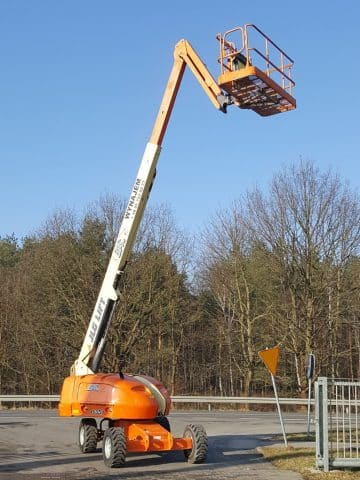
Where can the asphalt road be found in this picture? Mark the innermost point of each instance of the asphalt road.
(39, 445)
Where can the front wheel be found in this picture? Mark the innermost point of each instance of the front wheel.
(88, 435)
(198, 452)
(114, 447)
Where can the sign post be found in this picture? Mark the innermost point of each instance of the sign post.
(270, 356)
(309, 373)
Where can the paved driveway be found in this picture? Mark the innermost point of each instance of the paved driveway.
(39, 445)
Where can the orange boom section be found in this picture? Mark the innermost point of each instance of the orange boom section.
(109, 395)
(255, 72)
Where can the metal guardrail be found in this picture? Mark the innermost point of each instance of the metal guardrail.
(175, 399)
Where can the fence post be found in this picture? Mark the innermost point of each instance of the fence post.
(325, 413)
(321, 423)
(318, 424)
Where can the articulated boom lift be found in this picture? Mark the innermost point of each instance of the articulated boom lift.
(135, 407)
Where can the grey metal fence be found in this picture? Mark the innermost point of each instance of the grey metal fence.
(337, 417)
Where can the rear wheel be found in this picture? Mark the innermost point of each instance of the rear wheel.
(88, 435)
(198, 452)
(114, 447)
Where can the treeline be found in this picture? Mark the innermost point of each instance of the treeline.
(276, 268)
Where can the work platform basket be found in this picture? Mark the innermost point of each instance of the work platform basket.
(255, 71)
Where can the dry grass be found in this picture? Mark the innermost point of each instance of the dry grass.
(295, 437)
(302, 460)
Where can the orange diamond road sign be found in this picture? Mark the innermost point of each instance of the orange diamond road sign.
(270, 357)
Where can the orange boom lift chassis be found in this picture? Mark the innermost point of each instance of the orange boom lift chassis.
(128, 413)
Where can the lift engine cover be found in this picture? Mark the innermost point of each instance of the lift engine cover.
(113, 396)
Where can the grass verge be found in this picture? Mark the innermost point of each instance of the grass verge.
(302, 460)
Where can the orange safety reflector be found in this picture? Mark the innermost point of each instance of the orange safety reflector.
(270, 357)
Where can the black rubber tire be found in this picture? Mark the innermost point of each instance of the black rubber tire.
(164, 422)
(198, 452)
(114, 447)
(88, 435)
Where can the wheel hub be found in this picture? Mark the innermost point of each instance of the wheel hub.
(82, 436)
(107, 447)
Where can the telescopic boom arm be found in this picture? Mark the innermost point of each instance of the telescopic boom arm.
(94, 343)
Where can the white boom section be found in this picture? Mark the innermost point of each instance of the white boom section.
(94, 342)
(125, 239)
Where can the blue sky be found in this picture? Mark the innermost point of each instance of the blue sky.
(81, 83)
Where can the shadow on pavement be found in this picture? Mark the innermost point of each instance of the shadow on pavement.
(224, 451)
